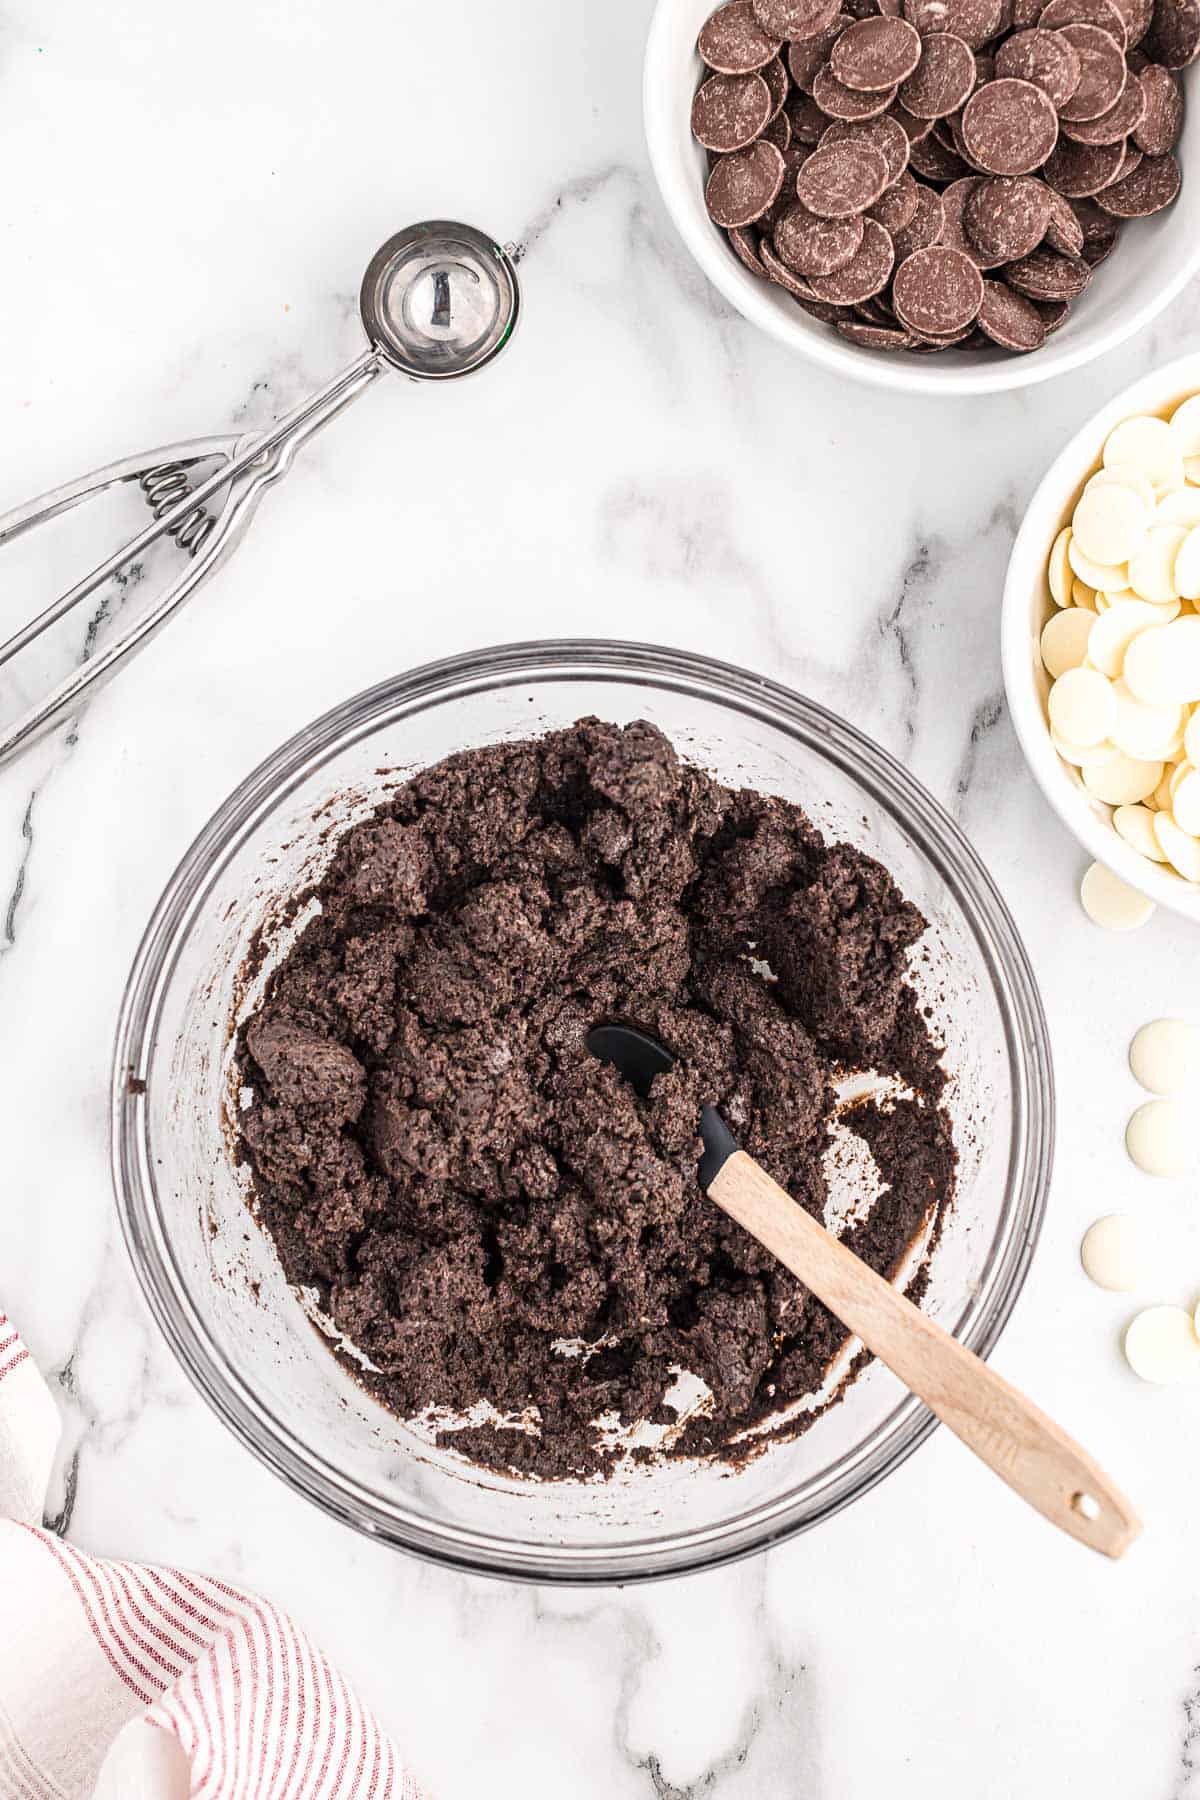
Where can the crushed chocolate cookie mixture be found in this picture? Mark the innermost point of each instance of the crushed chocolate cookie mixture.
(434, 1150)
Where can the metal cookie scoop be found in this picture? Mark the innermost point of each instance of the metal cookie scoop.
(438, 300)
(1004, 1429)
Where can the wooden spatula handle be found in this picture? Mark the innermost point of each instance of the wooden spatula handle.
(1025, 1448)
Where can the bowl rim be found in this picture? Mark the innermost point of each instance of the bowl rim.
(1026, 565)
(883, 780)
(931, 376)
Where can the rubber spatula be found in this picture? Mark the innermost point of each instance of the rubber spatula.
(1005, 1430)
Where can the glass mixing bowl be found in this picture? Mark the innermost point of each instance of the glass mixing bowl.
(213, 1281)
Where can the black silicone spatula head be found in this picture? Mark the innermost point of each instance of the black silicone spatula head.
(639, 1058)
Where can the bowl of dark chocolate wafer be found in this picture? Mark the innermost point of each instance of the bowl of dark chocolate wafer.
(942, 196)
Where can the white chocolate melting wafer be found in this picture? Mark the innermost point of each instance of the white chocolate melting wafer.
(1136, 825)
(1113, 1253)
(1059, 571)
(1162, 1138)
(1181, 850)
(1161, 1345)
(1153, 449)
(1165, 1056)
(1065, 640)
(1112, 903)
(1122, 780)
(1083, 707)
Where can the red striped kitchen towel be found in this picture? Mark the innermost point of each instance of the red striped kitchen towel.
(126, 1682)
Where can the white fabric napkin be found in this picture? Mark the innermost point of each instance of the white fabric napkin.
(127, 1682)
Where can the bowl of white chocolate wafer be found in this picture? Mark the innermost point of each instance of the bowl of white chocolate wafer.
(1101, 635)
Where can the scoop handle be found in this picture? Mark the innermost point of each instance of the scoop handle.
(1005, 1430)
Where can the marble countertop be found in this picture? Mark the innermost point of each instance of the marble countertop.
(191, 198)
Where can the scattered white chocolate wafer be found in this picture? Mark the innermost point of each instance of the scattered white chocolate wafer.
(1112, 903)
(1162, 1138)
(1113, 1253)
(1165, 1056)
(1161, 1345)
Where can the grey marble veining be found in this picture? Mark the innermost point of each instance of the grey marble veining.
(640, 464)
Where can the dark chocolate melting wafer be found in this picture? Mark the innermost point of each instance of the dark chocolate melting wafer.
(1151, 186)
(937, 291)
(1103, 73)
(975, 21)
(1137, 15)
(841, 102)
(730, 111)
(883, 133)
(791, 18)
(743, 185)
(875, 54)
(813, 246)
(913, 128)
(943, 79)
(778, 84)
(897, 206)
(1117, 123)
(924, 228)
(1100, 250)
(1063, 230)
(1174, 37)
(1129, 162)
(840, 179)
(732, 42)
(809, 123)
(1053, 313)
(744, 244)
(954, 232)
(1046, 58)
(1009, 127)
(865, 274)
(780, 274)
(875, 337)
(1078, 170)
(934, 162)
(1009, 319)
(1103, 13)
(1158, 129)
(1005, 216)
(807, 55)
(1092, 220)
(1045, 275)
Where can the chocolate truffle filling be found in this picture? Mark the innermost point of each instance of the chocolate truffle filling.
(492, 1215)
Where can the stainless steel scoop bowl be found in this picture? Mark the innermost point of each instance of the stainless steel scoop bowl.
(439, 299)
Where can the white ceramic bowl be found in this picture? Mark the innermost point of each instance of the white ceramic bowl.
(1150, 266)
(1027, 606)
